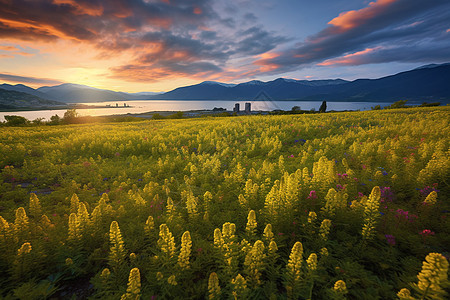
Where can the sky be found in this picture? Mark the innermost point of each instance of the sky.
(158, 45)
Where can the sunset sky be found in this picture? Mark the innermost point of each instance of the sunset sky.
(158, 45)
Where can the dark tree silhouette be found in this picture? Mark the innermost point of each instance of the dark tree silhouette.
(323, 107)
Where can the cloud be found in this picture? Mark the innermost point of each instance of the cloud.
(385, 30)
(33, 80)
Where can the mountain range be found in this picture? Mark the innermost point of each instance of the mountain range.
(430, 83)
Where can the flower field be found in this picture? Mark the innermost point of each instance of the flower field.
(320, 206)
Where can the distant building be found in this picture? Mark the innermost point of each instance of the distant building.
(236, 108)
(248, 108)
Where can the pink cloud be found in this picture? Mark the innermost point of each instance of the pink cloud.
(352, 59)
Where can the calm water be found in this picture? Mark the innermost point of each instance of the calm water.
(142, 106)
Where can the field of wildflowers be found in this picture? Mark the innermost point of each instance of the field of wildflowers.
(324, 206)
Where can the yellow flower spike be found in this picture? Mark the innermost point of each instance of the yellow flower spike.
(185, 252)
(268, 234)
(21, 223)
(133, 256)
(218, 239)
(324, 252)
(24, 249)
(239, 287)
(213, 286)
(35, 206)
(273, 247)
(83, 217)
(207, 198)
(105, 274)
(254, 263)
(159, 276)
(242, 201)
(251, 223)
(45, 222)
(312, 216)
(117, 249)
(69, 262)
(295, 261)
(312, 262)
(431, 198)
(340, 287)
(324, 229)
(149, 226)
(433, 275)
(74, 228)
(5, 231)
(134, 286)
(74, 202)
(371, 213)
(405, 294)
(191, 204)
(166, 241)
(172, 280)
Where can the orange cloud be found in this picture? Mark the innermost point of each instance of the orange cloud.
(350, 59)
(82, 8)
(353, 18)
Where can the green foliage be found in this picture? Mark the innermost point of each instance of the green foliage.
(195, 175)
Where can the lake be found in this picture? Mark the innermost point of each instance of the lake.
(142, 106)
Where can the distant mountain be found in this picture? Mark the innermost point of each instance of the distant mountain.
(24, 89)
(427, 83)
(10, 99)
(73, 93)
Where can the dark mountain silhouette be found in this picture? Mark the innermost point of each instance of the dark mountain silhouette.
(10, 99)
(428, 83)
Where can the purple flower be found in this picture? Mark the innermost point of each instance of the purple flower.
(390, 239)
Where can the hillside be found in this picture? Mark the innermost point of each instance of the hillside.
(17, 100)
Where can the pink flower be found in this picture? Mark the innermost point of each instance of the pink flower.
(426, 232)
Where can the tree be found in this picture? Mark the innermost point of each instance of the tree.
(323, 107)
(16, 121)
(54, 120)
(70, 116)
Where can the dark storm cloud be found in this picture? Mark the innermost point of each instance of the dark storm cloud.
(386, 30)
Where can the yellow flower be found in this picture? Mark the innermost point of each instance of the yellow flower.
(74, 202)
(239, 287)
(295, 262)
(117, 249)
(324, 252)
(172, 280)
(268, 234)
(324, 229)
(340, 287)
(254, 262)
(134, 286)
(185, 252)
(431, 198)
(312, 262)
(105, 274)
(433, 274)
(83, 217)
(35, 206)
(404, 294)
(149, 225)
(21, 223)
(312, 216)
(213, 286)
(251, 223)
(273, 247)
(69, 261)
(218, 239)
(24, 249)
(159, 276)
(166, 241)
(74, 228)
